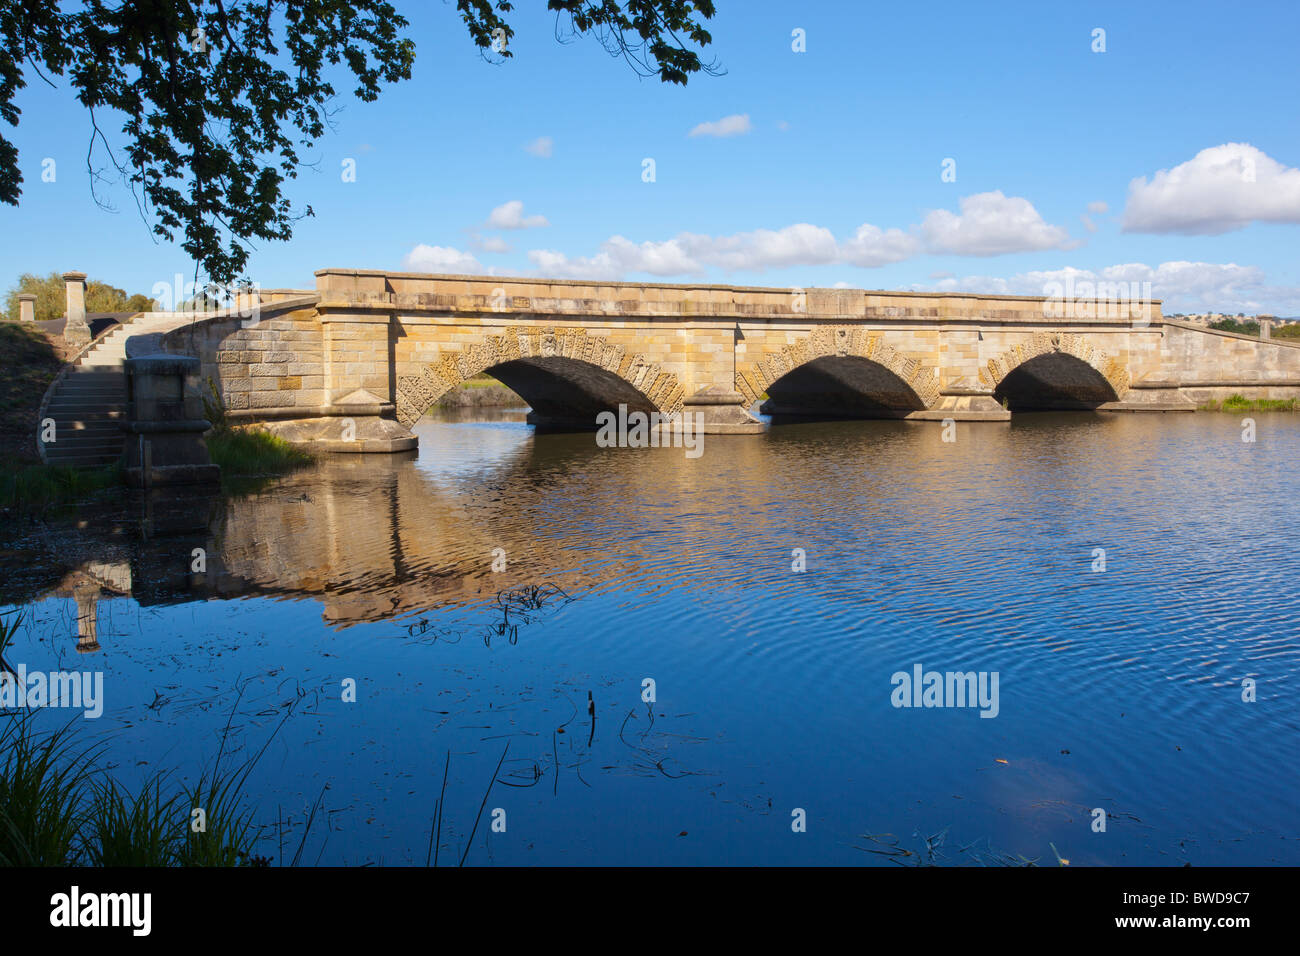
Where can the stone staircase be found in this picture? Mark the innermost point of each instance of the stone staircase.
(88, 403)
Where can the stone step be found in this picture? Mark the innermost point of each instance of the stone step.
(89, 388)
(94, 431)
(85, 461)
(89, 409)
(84, 414)
(98, 413)
(68, 437)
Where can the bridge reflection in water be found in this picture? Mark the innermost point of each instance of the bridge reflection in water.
(374, 537)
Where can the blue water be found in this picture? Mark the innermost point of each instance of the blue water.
(1119, 690)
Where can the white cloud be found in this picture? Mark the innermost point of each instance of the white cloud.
(1184, 286)
(1098, 208)
(991, 224)
(691, 253)
(871, 246)
(441, 259)
(1220, 189)
(510, 215)
(796, 245)
(543, 146)
(734, 125)
(491, 244)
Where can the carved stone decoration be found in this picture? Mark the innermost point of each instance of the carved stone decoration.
(1044, 343)
(838, 341)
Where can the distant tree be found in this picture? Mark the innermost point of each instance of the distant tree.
(52, 301)
(216, 97)
(1232, 325)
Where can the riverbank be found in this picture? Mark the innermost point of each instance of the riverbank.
(481, 391)
(29, 361)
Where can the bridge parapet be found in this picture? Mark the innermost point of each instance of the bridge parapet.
(346, 289)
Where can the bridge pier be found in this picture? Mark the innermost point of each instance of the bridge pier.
(722, 412)
(963, 405)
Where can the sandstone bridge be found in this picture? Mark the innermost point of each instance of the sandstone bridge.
(353, 364)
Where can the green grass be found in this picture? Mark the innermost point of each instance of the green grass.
(247, 452)
(34, 489)
(59, 806)
(1239, 403)
(43, 788)
(133, 830)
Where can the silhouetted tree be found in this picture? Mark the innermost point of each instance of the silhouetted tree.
(218, 96)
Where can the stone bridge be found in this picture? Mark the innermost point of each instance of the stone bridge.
(352, 365)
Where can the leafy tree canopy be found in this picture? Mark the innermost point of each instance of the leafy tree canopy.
(1249, 327)
(217, 97)
(51, 297)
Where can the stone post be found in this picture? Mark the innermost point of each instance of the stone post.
(165, 423)
(26, 307)
(1265, 326)
(76, 333)
(86, 594)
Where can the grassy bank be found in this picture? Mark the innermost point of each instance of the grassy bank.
(250, 452)
(1239, 403)
(27, 489)
(29, 362)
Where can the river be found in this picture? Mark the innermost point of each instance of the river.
(746, 623)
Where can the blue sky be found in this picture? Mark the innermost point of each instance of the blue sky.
(1181, 138)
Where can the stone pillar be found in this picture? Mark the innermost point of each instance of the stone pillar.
(165, 423)
(1265, 326)
(26, 307)
(721, 411)
(76, 333)
(358, 379)
(86, 594)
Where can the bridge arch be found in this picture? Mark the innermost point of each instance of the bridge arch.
(843, 371)
(1055, 370)
(564, 374)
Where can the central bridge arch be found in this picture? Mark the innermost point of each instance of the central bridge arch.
(840, 371)
(1056, 370)
(566, 375)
